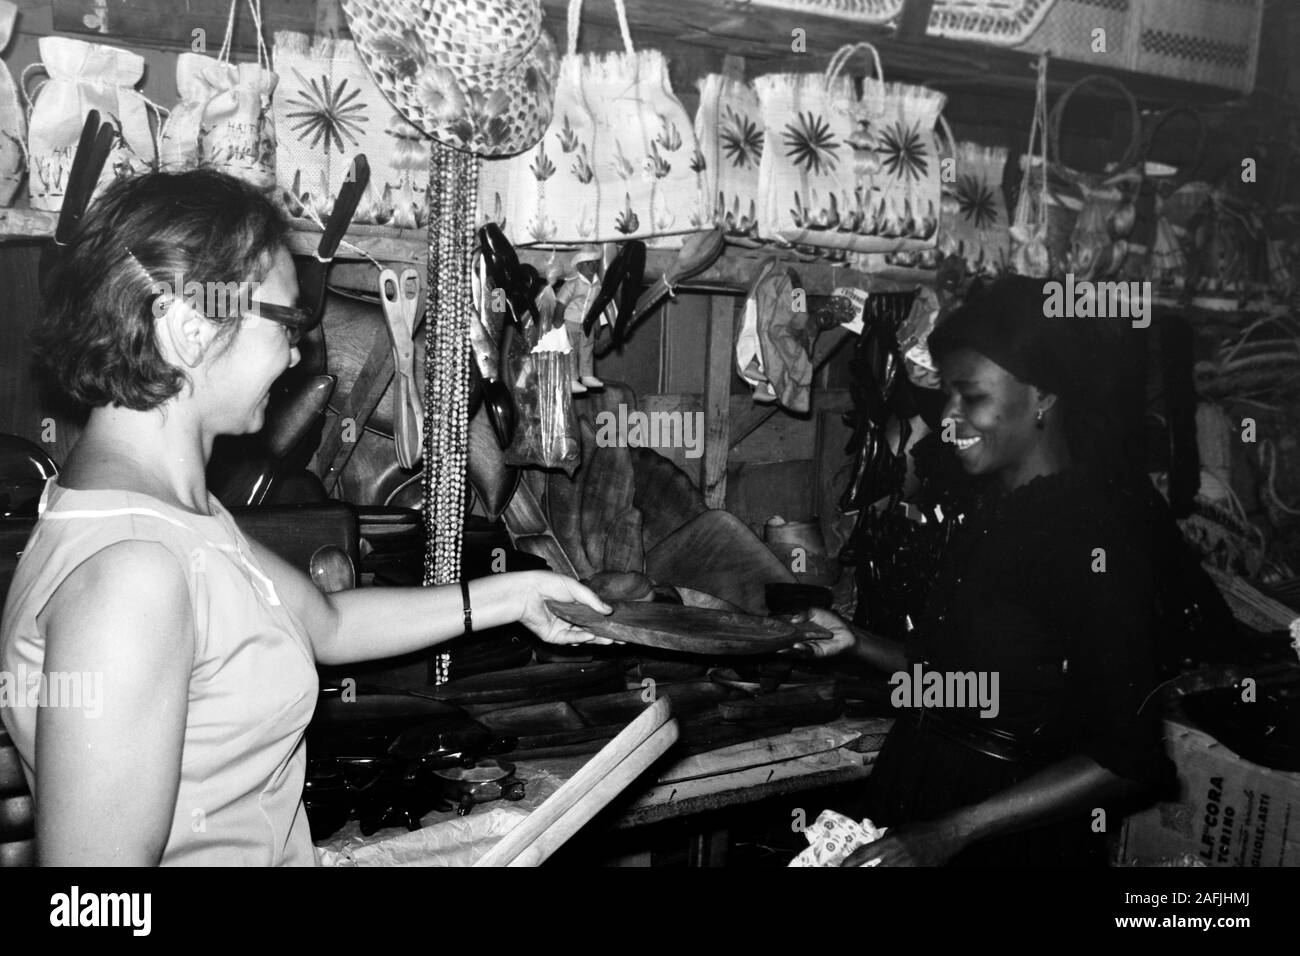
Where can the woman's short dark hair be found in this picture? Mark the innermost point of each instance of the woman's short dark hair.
(134, 243)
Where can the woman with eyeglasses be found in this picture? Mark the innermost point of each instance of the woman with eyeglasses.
(200, 644)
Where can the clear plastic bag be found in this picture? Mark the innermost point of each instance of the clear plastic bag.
(547, 433)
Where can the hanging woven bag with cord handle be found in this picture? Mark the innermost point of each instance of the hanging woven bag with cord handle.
(1157, 180)
(848, 171)
(618, 160)
(1098, 238)
(223, 120)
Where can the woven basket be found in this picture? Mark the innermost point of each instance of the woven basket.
(999, 22)
(1215, 42)
(859, 11)
(1066, 31)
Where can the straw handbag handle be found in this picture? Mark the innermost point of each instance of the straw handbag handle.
(1202, 138)
(575, 22)
(875, 105)
(845, 53)
(948, 135)
(1135, 117)
(24, 85)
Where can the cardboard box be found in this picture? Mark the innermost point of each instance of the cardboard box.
(1230, 812)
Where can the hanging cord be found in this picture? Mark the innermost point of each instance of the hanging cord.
(263, 54)
(1040, 119)
(575, 22)
(224, 54)
(388, 500)
(1037, 131)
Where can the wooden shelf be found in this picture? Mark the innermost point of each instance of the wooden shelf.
(20, 222)
(730, 275)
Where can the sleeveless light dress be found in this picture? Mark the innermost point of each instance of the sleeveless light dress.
(253, 683)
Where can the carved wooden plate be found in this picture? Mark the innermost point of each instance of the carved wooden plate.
(689, 630)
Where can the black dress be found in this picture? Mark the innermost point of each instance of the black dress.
(1051, 587)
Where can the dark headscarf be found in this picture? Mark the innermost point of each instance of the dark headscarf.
(1004, 321)
(1087, 362)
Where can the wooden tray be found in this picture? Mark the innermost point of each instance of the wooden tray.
(689, 630)
(534, 683)
(621, 707)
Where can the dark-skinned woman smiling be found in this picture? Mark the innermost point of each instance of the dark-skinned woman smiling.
(1049, 585)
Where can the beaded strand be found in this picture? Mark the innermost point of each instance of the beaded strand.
(453, 192)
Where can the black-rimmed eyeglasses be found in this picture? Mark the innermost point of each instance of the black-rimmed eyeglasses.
(297, 321)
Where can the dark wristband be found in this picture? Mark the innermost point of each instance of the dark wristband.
(469, 617)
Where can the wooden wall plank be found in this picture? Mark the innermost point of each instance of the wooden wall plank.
(717, 398)
(785, 437)
(757, 492)
(172, 24)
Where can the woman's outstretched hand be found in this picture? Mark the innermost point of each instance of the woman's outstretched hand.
(842, 639)
(914, 844)
(538, 587)
(838, 640)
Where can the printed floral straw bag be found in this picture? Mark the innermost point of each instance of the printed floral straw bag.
(617, 162)
(729, 130)
(845, 172)
(84, 77)
(327, 109)
(13, 122)
(224, 117)
(973, 220)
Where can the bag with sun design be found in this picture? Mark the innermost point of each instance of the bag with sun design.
(617, 162)
(973, 221)
(327, 109)
(848, 172)
(729, 128)
(223, 120)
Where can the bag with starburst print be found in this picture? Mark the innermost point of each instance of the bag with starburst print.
(729, 130)
(327, 109)
(973, 222)
(618, 161)
(223, 120)
(847, 171)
